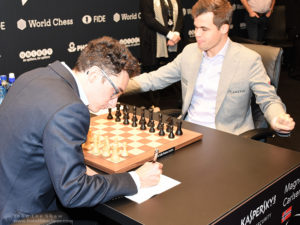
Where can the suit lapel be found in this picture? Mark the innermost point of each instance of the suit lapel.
(64, 73)
(228, 71)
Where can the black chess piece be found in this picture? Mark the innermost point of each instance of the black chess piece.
(126, 118)
(143, 125)
(150, 117)
(134, 124)
(171, 134)
(159, 121)
(179, 130)
(143, 120)
(152, 129)
(170, 123)
(118, 118)
(118, 112)
(161, 130)
(109, 116)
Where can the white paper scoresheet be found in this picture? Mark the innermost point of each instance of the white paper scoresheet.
(144, 194)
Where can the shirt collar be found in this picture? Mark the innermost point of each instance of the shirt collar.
(82, 95)
(222, 52)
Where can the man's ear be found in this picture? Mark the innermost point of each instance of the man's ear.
(224, 28)
(93, 73)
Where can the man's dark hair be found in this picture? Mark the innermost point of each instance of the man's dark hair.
(221, 9)
(109, 55)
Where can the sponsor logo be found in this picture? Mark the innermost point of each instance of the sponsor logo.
(260, 210)
(55, 22)
(130, 42)
(87, 19)
(286, 214)
(36, 55)
(191, 33)
(292, 187)
(2, 25)
(124, 16)
(24, 2)
(243, 26)
(186, 11)
(75, 48)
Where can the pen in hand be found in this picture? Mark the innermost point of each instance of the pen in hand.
(155, 155)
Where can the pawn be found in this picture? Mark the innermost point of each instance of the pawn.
(171, 134)
(124, 152)
(152, 129)
(109, 116)
(161, 130)
(179, 130)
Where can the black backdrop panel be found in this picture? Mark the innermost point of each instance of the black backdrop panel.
(35, 33)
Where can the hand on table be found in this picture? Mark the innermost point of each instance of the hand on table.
(149, 174)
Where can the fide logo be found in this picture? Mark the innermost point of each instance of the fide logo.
(36, 55)
(87, 19)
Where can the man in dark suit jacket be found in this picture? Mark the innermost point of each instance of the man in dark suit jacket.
(44, 120)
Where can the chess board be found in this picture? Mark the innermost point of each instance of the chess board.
(141, 144)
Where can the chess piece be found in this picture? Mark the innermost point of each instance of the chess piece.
(170, 123)
(150, 117)
(143, 125)
(159, 121)
(161, 130)
(118, 112)
(106, 148)
(171, 134)
(126, 118)
(124, 152)
(142, 120)
(109, 116)
(152, 129)
(115, 154)
(179, 130)
(134, 124)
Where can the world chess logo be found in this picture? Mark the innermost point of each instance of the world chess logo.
(116, 17)
(21, 24)
(24, 2)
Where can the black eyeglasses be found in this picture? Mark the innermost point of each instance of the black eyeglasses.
(117, 91)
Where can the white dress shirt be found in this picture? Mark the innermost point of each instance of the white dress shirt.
(260, 6)
(203, 104)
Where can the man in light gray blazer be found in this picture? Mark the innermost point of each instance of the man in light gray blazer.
(218, 77)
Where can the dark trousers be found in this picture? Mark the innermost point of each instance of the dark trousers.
(256, 27)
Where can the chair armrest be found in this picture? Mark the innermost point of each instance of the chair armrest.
(258, 134)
